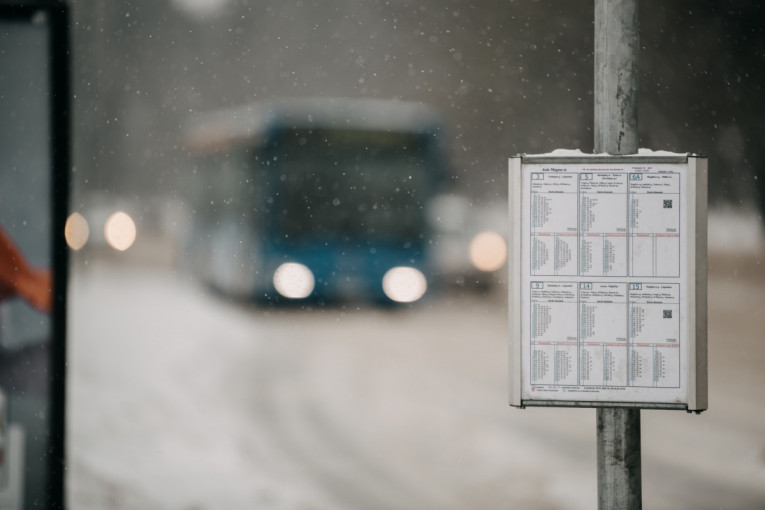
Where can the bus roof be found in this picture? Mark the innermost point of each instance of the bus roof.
(251, 123)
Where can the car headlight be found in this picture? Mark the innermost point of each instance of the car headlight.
(488, 251)
(76, 231)
(120, 231)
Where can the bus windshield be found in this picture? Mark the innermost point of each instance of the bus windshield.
(349, 185)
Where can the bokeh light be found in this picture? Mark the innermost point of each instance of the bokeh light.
(120, 231)
(404, 284)
(76, 231)
(488, 251)
(293, 280)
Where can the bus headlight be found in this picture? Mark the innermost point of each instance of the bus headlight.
(404, 284)
(293, 280)
(488, 251)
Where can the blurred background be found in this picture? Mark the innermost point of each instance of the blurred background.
(187, 393)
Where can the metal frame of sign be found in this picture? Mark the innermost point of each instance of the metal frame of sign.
(552, 389)
(56, 14)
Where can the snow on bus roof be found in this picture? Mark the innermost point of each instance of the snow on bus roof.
(222, 128)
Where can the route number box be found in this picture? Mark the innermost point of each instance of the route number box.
(608, 280)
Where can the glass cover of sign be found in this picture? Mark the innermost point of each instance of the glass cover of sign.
(608, 305)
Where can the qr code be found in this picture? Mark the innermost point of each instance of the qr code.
(667, 314)
(668, 204)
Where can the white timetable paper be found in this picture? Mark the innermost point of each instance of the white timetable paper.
(603, 281)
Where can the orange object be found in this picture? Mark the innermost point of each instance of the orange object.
(19, 278)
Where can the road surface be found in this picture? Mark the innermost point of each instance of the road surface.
(181, 400)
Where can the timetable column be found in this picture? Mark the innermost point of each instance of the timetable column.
(654, 335)
(654, 218)
(554, 334)
(554, 231)
(603, 334)
(603, 224)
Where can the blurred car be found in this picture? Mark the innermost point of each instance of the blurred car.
(470, 246)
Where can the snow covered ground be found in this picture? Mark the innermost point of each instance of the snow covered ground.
(181, 400)
(155, 420)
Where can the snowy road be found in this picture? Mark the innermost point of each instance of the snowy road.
(179, 400)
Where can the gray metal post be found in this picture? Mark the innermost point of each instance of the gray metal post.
(619, 474)
(616, 76)
(616, 91)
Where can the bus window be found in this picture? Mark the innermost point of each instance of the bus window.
(352, 189)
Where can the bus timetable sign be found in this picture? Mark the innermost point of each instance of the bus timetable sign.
(608, 301)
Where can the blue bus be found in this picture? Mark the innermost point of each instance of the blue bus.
(316, 199)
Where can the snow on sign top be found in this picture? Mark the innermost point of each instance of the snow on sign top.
(577, 153)
(608, 301)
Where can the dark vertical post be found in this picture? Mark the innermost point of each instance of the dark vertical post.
(616, 76)
(616, 88)
(60, 55)
(619, 475)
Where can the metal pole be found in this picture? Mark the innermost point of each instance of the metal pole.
(619, 459)
(616, 88)
(616, 76)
